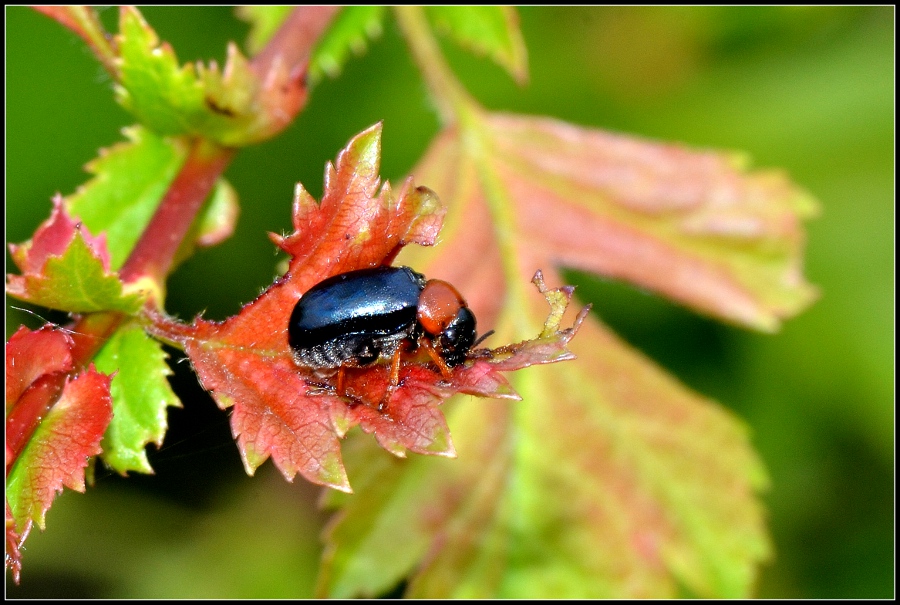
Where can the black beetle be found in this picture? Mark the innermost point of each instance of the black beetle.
(355, 318)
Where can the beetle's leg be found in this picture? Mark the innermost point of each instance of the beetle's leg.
(436, 358)
(395, 376)
(395, 365)
(340, 381)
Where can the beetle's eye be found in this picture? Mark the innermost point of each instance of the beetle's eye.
(457, 338)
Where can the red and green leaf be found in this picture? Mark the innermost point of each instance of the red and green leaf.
(53, 425)
(612, 479)
(64, 267)
(32, 355)
(280, 409)
(58, 450)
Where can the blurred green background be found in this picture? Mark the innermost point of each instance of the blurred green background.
(810, 90)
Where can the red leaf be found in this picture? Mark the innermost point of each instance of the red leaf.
(30, 355)
(285, 411)
(57, 453)
(52, 238)
(36, 367)
(694, 225)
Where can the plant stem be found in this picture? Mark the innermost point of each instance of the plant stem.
(453, 101)
(292, 44)
(154, 252)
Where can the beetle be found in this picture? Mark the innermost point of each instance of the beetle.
(354, 319)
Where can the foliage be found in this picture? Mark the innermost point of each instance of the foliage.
(609, 480)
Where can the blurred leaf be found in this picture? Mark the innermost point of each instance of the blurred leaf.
(487, 30)
(349, 31)
(218, 218)
(83, 20)
(140, 396)
(610, 479)
(692, 225)
(264, 22)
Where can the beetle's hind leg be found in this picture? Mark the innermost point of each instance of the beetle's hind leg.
(395, 374)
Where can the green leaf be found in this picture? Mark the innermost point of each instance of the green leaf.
(349, 31)
(140, 396)
(217, 219)
(130, 179)
(173, 100)
(486, 30)
(76, 281)
(264, 22)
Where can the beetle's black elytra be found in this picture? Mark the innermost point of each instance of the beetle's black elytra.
(355, 318)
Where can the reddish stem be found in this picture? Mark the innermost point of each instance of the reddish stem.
(294, 40)
(154, 252)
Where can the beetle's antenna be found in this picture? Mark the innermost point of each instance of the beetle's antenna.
(47, 321)
(482, 337)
